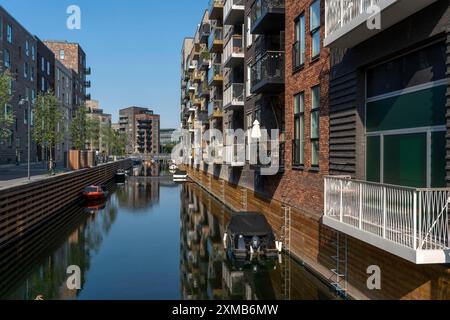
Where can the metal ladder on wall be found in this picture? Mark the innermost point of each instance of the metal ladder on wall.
(340, 271)
(244, 199)
(286, 264)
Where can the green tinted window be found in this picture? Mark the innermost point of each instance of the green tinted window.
(405, 160)
(373, 159)
(418, 109)
(438, 160)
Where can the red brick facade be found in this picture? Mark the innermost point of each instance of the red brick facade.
(303, 186)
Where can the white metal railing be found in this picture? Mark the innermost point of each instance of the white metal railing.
(415, 218)
(341, 12)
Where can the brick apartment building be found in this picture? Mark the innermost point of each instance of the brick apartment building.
(73, 57)
(366, 106)
(141, 127)
(18, 54)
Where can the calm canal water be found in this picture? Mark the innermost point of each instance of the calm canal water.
(152, 239)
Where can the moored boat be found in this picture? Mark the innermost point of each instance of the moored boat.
(120, 176)
(180, 176)
(95, 193)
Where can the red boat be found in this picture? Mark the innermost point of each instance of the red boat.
(94, 193)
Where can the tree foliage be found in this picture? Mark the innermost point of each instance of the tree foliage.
(48, 129)
(6, 114)
(78, 128)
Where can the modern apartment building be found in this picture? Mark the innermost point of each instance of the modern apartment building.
(18, 54)
(142, 128)
(73, 57)
(64, 93)
(361, 113)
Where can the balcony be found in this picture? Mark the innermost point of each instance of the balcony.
(205, 30)
(215, 75)
(410, 223)
(234, 12)
(87, 71)
(87, 97)
(216, 9)
(87, 84)
(233, 97)
(270, 153)
(191, 87)
(267, 16)
(215, 109)
(346, 20)
(268, 73)
(215, 44)
(204, 61)
(196, 51)
(197, 77)
(233, 53)
(203, 90)
(235, 155)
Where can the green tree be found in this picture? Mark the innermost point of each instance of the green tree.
(6, 114)
(93, 133)
(78, 128)
(48, 129)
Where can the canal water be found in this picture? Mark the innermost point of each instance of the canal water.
(152, 239)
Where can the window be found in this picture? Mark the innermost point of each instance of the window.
(299, 129)
(32, 74)
(42, 64)
(33, 53)
(42, 84)
(62, 54)
(249, 80)
(48, 67)
(27, 48)
(25, 70)
(299, 44)
(25, 116)
(315, 29)
(315, 126)
(249, 33)
(7, 58)
(9, 34)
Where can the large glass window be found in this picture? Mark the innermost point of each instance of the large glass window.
(315, 125)
(299, 130)
(315, 28)
(299, 44)
(406, 120)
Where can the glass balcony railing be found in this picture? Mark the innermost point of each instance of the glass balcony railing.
(233, 12)
(267, 16)
(234, 96)
(234, 50)
(215, 74)
(215, 39)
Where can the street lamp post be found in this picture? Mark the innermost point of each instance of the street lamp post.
(27, 102)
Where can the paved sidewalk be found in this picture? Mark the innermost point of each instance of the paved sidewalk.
(16, 175)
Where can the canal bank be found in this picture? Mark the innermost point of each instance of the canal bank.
(26, 206)
(152, 239)
(320, 247)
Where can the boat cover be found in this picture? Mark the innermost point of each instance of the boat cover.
(249, 224)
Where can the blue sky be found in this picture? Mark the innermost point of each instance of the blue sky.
(132, 46)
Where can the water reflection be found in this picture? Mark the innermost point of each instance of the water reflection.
(207, 273)
(131, 247)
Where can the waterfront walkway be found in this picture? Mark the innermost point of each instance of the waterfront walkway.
(15, 175)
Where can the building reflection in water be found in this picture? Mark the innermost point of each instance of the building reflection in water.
(207, 272)
(37, 265)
